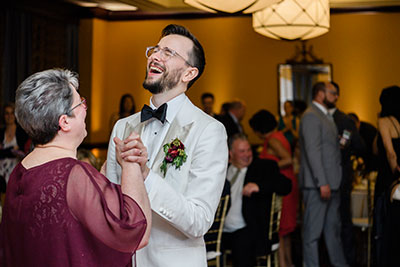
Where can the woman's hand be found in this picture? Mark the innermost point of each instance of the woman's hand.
(132, 149)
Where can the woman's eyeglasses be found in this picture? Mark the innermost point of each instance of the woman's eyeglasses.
(83, 102)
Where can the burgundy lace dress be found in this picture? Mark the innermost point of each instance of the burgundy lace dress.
(65, 213)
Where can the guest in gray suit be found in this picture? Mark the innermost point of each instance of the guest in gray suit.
(320, 177)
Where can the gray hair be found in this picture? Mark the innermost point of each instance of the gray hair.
(235, 137)
(236, 104)
(40, 101)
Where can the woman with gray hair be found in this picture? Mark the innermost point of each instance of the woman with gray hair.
(60, 211)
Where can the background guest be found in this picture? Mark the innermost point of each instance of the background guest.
(277, 148)
(289, 123)
(87, 156)
(386, 213)
(127, 107)
(299, 107)
(224, 108)
(368, 133)
(320, 178)
(351, 144)
(60, 211)
(13, 140)
(207, 102)
(252, 183)
(231, 120)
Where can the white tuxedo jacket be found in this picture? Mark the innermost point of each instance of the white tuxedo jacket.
(185, 200)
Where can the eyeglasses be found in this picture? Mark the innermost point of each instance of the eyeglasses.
(83, 102)
(165, 53)
(332, 92)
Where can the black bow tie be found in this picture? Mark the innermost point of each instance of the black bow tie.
(148, 113)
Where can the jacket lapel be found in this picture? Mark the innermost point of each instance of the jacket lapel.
(134, 126)
(180, 128)
(176, 130)
(325, 118)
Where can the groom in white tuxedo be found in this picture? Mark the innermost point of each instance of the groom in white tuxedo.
(184, 196)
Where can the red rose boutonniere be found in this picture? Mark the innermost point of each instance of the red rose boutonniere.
(174, 154)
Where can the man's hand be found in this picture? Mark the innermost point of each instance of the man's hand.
(133, 150)
(250, 188)
(325, 192)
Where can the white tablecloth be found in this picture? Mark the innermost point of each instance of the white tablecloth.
(359, 203)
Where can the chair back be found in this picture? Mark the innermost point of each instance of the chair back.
(271, 259)
(214, 235)
(274, 221)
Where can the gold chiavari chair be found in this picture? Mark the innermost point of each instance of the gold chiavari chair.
(271, 259)
(214, 235)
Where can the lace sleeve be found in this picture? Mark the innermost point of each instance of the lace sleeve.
(112, 217)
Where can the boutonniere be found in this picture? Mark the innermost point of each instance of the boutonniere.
(174, 154)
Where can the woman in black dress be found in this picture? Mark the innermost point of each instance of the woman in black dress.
(387, 210)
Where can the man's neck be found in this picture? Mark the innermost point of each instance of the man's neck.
(164, 97)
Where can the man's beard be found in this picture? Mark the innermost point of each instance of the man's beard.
(328, 104)
(166, 82)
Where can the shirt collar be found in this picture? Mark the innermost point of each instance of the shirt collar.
(173, 106)
(234, 169)
(234, 118)
(332, 111)
(321, 107)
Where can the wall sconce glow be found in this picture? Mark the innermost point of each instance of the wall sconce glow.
(231, 6)
(293, 19)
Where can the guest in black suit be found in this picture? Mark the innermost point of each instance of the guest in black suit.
(253, 181)
(354, 145)
(232, 119)
(368, 133)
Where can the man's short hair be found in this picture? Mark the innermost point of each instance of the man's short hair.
(319, 86)
(207, 95)
(196, 56)
(336, 86)
(236, 104)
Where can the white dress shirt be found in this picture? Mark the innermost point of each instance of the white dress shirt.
(234, 219)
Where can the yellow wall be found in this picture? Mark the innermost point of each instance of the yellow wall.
(363, 49)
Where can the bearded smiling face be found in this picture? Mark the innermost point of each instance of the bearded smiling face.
(164, 80)
(167, 63)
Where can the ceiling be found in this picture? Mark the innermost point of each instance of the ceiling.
(165, 9)
(178, 6)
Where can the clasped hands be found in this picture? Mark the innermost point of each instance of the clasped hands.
(133, 150)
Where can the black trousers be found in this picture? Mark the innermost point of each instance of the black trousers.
(242, 245)
(347, 231)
